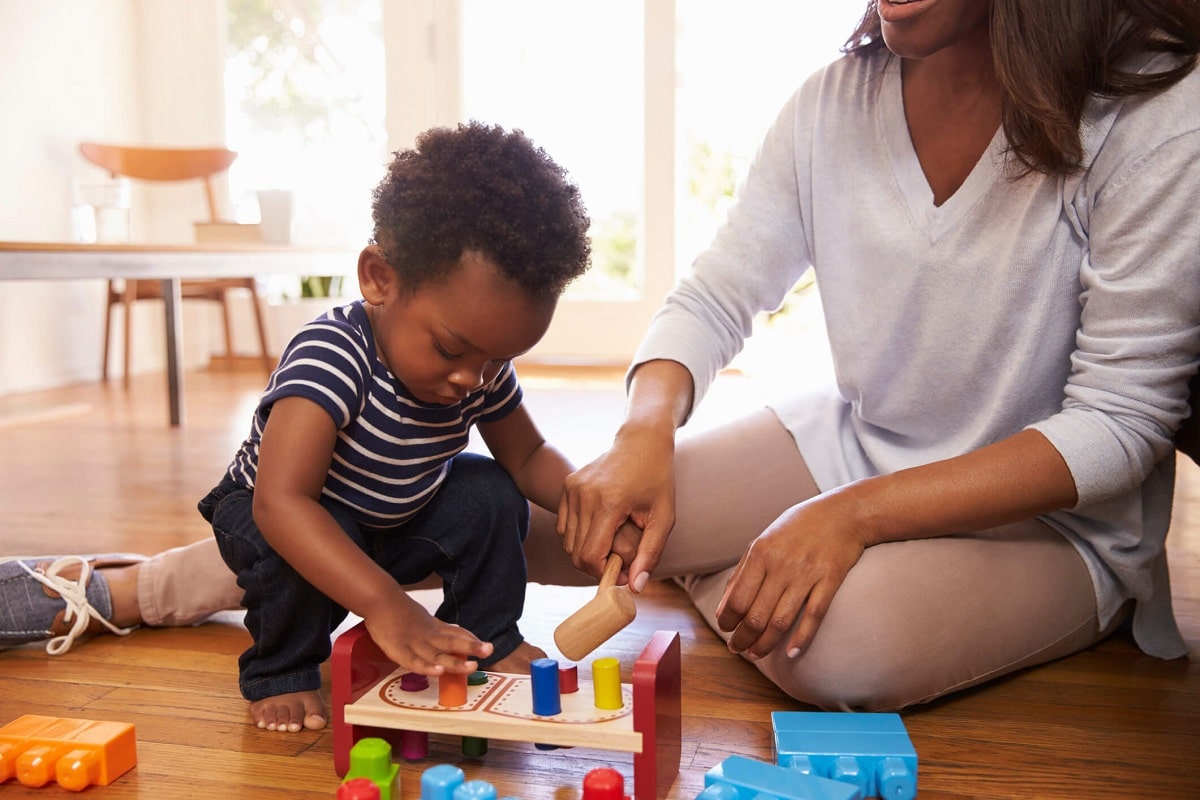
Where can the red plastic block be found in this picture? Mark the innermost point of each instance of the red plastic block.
(76, 752)
(604, 783)
(358, 789)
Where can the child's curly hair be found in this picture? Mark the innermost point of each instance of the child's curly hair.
(479, 187)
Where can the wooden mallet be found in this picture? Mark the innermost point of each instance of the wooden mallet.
(608, 612)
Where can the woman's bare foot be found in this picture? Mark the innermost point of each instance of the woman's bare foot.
(518, 661)
(289, 712)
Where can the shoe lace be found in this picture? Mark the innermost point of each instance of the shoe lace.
(74, 593)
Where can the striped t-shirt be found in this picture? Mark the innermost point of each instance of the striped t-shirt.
(393, 451)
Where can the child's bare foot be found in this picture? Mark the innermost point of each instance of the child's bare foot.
(518, 661)
(289, 712)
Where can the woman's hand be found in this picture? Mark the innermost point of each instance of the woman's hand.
(791, 571)
(632, 482)
(632, 486)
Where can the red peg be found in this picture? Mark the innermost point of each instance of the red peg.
(568, 678)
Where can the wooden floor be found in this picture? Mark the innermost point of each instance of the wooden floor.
(97, 469)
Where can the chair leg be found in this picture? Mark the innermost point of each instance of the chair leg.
(228, 328)
(259, 320)
(108, 306)
(127, 302)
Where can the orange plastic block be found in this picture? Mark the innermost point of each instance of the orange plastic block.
(76, 752)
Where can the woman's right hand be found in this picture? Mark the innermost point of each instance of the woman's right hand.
(632, 486)
(634, 481)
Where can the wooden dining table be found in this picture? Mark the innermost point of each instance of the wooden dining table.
(169, 263)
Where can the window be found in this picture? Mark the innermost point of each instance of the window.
(570, 76)
(737, 65)
(655, 107)
(304, 96)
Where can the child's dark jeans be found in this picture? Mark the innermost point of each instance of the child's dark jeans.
(470, 534)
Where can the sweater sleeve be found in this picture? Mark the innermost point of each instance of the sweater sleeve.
(1139, 335)
(758, 254)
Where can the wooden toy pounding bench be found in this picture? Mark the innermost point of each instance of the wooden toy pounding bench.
(367, 702)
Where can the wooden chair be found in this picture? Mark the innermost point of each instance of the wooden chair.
(163, 164)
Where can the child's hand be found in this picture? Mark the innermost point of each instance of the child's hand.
(419, 642)
(625, 544)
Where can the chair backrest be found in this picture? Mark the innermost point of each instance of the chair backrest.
(162, 164)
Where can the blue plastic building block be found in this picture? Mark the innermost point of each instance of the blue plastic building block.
(718, 791)
(439, 783)
(447, 782)
(870, 751)
(741, 778)
(475, 790)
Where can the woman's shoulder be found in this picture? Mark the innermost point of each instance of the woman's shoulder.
(847, 87)
(852, 71)
(1175, 109)
(1119, 129)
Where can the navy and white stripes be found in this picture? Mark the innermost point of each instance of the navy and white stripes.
(392, 451)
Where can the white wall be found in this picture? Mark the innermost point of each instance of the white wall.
(68, 75)
(107, 70)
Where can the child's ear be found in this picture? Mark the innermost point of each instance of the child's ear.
(375, 275)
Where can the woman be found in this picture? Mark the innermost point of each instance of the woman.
(998, 203)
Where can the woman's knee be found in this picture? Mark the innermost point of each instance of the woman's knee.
(731, 482)
(838, 678)
(848, 666)
(905, 629)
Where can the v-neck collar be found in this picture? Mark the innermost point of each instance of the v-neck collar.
(910, 178)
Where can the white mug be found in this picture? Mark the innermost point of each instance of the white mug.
(100, 210)
(275, 209)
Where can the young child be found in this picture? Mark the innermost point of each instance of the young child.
(353, 481)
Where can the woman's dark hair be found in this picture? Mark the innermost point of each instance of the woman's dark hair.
(1052, 55)
(480, 188)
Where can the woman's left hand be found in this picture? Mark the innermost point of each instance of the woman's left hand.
(791, 571)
